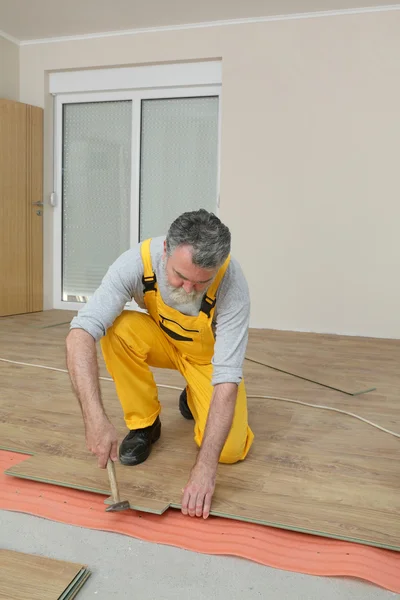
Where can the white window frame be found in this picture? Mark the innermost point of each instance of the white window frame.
(136, 96)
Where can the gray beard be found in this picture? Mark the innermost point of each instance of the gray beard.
(179, 296)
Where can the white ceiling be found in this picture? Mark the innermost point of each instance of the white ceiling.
(38, 19)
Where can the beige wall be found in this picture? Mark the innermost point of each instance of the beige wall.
(9, 70)
(310, 145)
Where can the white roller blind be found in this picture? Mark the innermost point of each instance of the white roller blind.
(95, 192)
(179, 160)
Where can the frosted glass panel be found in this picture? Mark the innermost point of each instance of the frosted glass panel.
(96, 192)
(179, 160)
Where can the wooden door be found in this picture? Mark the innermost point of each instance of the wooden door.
(21, 220)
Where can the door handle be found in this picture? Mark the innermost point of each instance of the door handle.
(37, 203)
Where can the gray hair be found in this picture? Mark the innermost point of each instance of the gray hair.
(209, 238)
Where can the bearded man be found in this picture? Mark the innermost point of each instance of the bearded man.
(197, 307)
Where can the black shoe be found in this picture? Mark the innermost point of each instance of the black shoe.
(135, 448)
(183, 406)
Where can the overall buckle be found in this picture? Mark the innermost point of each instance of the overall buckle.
(207, 304)
(149, 283)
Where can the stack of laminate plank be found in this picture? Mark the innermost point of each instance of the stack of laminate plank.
(32, 577)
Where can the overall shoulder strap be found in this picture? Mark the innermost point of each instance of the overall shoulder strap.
(209, 300)
(149, 277)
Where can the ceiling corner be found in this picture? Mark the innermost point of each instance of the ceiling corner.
(10, 38)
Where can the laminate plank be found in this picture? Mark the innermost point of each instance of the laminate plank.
(47, 318)
(71, 592)
(320, 359)
(338, 384)
(32, 577)
(282, 352)
(309, 470)
(84, 475)
(293, 494)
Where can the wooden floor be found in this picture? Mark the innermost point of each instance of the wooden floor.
(309, 470)
(31, 577)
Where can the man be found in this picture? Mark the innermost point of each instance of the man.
(197, 320)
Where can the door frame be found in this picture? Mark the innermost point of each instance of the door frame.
(136, 97)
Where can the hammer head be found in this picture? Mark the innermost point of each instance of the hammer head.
(118, 506)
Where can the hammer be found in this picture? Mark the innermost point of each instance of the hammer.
(117, 504)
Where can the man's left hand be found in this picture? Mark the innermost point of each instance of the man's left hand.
(199, 490)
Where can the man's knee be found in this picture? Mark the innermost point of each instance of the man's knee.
(133, 329)
(236, 447)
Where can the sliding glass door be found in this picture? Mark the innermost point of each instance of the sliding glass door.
(126, 166)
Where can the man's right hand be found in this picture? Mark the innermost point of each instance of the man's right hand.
(101, 440)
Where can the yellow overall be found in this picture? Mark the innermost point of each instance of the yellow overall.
(166, 338)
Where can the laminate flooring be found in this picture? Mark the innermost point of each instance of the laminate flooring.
(313, 357)
(309, 470)
(33, 577)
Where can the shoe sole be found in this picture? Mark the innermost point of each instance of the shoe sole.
(186, 414)
(145, 455)
(185, 410)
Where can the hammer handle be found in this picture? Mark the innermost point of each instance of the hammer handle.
(113, 480)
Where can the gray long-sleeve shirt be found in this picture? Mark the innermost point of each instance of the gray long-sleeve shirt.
(123, 282)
